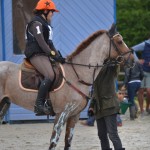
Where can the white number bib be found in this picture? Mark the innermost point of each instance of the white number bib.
(50, 33)
(38, 30)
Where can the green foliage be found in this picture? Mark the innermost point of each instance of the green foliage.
(133, 20)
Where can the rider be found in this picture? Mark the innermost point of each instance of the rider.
(40, 49)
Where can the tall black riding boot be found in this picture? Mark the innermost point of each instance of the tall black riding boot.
(44, 88)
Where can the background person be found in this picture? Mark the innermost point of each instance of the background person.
(144, 47)
(132, 82)
(121, 95)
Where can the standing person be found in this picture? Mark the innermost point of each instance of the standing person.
(133, 77)
(144, 47)
(121, 96)
(106, 107)
(40, 49)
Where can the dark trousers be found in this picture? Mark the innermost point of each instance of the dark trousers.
(107, 126)
(132, 90)
(43, 65)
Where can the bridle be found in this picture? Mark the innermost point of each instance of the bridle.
(120, 58)
(109, 61)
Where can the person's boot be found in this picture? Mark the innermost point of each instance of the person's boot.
(44, 88)
(120, 149)
(107, 149)
(132, 112)
(136, 111)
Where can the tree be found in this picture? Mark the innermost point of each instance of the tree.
(133, 20)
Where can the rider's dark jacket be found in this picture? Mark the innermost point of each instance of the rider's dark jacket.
(33, 44)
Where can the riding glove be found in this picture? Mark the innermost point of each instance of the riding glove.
(57, 57)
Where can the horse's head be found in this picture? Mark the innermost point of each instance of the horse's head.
(118, 49)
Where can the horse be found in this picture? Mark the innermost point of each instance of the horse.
(81, 69)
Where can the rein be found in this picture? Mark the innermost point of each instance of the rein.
(109, 63)
(85, 83)
(89, 66)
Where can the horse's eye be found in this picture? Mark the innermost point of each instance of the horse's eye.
(119, 42)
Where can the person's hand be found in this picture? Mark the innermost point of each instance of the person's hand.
(57, 57)
(141, 61)
(90, 112)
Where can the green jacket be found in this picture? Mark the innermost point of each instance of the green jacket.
(105, 100)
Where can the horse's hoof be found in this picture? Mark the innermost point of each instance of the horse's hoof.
(38, 108)
(52, 146)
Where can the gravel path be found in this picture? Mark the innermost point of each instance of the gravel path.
(135, 135)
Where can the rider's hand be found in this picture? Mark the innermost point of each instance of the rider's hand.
(57, 57)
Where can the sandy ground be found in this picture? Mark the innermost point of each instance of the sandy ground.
(135, 135)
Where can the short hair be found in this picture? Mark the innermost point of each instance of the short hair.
(38, 12)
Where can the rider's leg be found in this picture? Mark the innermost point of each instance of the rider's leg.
(41, 97)
(43, 65)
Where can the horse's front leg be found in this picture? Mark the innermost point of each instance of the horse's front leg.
(55, 136)
(70, 132)
(59, 124)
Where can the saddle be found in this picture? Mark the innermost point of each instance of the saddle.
(30, 78)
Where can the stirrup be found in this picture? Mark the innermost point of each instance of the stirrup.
(44, 111)
(38, 111)
(40, 114)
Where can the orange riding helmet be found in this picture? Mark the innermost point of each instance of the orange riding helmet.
(46, 5)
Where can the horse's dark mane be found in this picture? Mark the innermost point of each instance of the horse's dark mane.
(85, 43)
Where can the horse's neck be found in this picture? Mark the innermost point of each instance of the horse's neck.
(93, 55)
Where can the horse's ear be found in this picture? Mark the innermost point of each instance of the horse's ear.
(113, 30)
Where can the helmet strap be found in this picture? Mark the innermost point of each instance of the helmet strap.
(46, 14)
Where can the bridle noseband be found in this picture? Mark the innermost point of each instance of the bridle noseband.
(120, 58)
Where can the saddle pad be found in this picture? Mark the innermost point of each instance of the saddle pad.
(30, 79)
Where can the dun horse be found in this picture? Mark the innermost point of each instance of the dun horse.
(81, 68)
